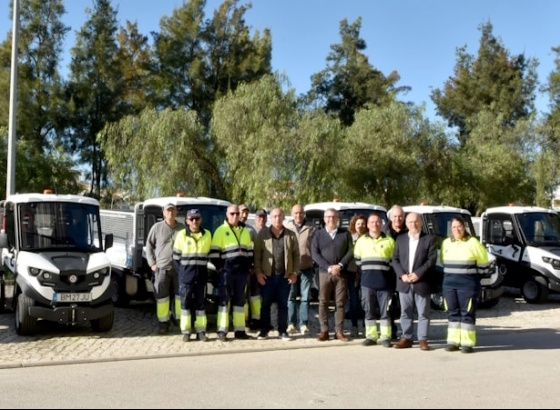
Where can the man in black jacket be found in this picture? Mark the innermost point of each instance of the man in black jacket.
(414, 259)
(331, 250)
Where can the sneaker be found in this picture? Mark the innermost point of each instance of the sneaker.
(386, 343)
(202, 336)
(354, 332)
(291, 329)
(285, 337)
(262, 336)
(369, 342)
(163, 328)
(304, 330)
(222, 337)
(186, 337)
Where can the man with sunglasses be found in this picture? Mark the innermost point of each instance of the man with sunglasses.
(232, 255)
(190, 255)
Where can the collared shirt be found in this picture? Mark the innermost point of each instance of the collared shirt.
(333, 233)
(412, 246)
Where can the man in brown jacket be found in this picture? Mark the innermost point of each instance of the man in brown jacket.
(306, 273)
(276, 265)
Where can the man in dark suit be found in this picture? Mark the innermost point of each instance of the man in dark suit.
(413, 261)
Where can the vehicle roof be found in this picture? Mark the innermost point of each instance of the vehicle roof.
(518, 210)
(30, 198)
(433, 209)
(181, 201)
(340, 206)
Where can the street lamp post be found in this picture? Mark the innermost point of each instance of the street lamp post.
(12, 139)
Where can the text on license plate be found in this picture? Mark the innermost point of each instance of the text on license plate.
(73, 297)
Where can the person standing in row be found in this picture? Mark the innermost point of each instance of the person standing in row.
(394, 228)
(252, 307)
(276, 267)
(190, 254)
(302, 286)
(159, 254)
(232, 255)
(413, 262)
(331, 250)
(357, 228)
(464, 260)
(373, 252)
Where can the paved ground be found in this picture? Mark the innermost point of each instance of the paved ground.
(134, 335)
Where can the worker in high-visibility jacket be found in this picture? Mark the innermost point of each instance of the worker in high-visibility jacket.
(232, 254)
(464, 260)
(190, 255)
(372, 253)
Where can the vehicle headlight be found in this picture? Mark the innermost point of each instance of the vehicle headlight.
(102, 272)
(34, 271)
(554, 262)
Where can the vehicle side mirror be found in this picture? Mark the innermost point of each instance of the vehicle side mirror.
(4, 240)
(108, 241)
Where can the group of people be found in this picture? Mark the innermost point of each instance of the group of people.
(262, 265)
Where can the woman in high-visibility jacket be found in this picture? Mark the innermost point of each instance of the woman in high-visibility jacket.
(464, 260)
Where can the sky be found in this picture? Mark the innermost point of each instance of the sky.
(417, 38)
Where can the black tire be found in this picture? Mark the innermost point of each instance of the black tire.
(24, 323)
(437, 301)
(118, 292)
(103, 324)
(534, 292)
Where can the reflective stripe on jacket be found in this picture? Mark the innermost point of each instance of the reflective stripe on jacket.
(190, 253)
(373, 257)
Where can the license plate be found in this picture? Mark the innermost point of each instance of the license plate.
(72, 297)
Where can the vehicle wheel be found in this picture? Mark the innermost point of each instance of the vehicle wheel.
(533, 292)
(25, 324)
(118, 293)
(488, 304)
(103, 324)
(437, 301)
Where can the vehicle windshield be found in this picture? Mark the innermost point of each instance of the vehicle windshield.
(315, 217)
(540, 229)
(212, 215)
(439, 224)
(59, 225)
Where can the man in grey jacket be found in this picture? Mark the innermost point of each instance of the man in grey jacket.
(304, 234)
(159, 252)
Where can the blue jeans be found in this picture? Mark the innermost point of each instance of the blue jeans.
(302, 286)
(276, 289)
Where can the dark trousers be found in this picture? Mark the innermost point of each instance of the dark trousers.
(276, 289)
(232, 288)
(461, 304)
(193, 294)
(354, 307)
(327, 284)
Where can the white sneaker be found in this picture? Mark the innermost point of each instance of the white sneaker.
(291, 330)
(304, 330)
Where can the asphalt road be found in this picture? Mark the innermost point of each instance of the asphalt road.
(514, 369)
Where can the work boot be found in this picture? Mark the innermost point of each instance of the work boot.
(202, 336)
(163, 328)
(186, 337)
(240, 334)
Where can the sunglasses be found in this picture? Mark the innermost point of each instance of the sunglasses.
(194, 219)
(234, 213)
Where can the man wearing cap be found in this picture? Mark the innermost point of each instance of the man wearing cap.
(232, 255)
(190, 255)
(254, 301)
(159, 253)
(260, 219)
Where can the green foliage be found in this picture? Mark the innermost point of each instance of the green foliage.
(159, 153)
(350, 82)
(493, 81)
